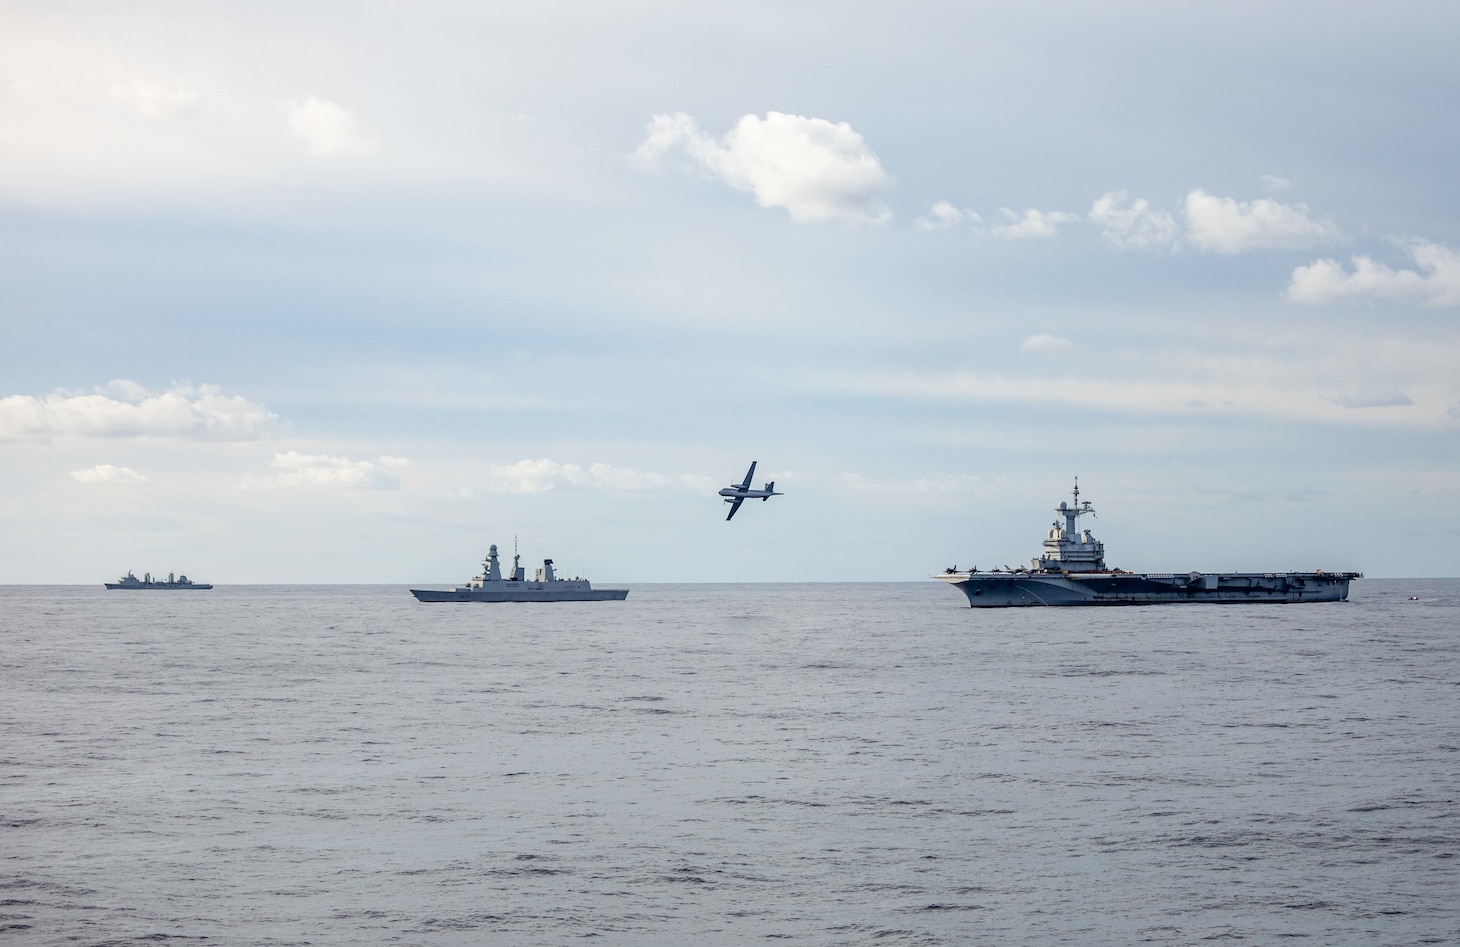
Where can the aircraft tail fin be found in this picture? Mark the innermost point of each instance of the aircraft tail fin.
(770, 489)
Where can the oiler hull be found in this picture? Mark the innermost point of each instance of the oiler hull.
(1014, 590)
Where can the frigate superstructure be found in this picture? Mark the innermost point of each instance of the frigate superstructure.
(1072, 571)
(492, 586)
(172, 582)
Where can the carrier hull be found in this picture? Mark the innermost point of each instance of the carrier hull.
(1072, 571)
(1015, 590)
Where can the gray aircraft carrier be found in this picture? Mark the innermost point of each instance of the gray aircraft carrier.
(1072, 571)
(491, 586)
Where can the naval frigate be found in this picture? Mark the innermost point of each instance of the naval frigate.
(492, 586)
(130, 581)
(1072, 571)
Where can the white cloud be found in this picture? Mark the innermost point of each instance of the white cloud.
(1031, 223)
(323, 470)
(1230, 226)
(126, 409)
(945, 216)
(1212, 223)
(541, 476)
(817, 170)
(1280, 397)
(1133, 224)
(1273, 183)
(90, 111)
(107, 473)
(1434, 283)
(1044, 342)
(153, 100)
(327, 130)
(1376, 399)
(1016, 225)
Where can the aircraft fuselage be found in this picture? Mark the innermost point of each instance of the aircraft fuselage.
(730, 493)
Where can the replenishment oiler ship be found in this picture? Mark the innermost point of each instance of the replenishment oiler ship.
(1072, 571)
(491, 586)
(130, 581)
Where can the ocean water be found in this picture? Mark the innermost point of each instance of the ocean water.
(723, 764)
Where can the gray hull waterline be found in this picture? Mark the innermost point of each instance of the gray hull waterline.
(1072, 571)
(493, 586)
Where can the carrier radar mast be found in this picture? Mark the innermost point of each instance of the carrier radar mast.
(1071, 512)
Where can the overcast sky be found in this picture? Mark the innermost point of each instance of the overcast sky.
(343, 292)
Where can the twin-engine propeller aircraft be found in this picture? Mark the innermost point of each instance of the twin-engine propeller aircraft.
(738, 493)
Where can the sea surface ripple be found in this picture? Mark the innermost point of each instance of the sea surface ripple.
(816, 764)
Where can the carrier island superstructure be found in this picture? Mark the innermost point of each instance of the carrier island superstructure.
(1072, 571)
(492, 586)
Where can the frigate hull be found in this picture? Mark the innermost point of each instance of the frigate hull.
(495, 586)
(520, 594)
(1013, 590)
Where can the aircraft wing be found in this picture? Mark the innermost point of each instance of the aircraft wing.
(748, 474)
(736, 504)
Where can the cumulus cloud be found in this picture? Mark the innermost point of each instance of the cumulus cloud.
(323, 470)
(1043, 342)
(126, 409)
(1230, 226)
(1273, 183)
(153, 100)
(541, 476)
(1016, 225)
(944, 216)
(815, 169)
(1133, 224)
(1214, 223)
(327, 130)
(1031, 223)
(1433, 283)
(107, 473)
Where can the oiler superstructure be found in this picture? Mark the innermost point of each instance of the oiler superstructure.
(1072, 571)
(493, 586)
